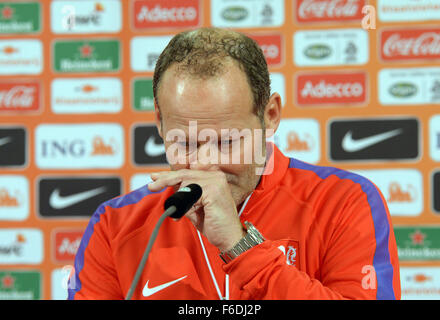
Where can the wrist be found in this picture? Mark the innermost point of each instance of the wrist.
(233, 240)
(251, 239)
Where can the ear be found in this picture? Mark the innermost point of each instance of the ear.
(272, 114)
(158, 118)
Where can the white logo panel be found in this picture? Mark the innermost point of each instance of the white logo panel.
(408, 10)
(87, 95)
(21, 57)
(14, 197)
(409, 86)
(299, 139)
(79, 146)
(145, 51)
(247, 13)
(401, 188)
(434, 137)
(420, 283)
(21, 246)
(139, 180)
(86, 16)
(331, 47)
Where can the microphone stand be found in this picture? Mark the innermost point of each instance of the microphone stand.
(141, 266)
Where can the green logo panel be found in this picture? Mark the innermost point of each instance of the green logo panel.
(143, 99)
(23, 17)
(87, 56)
(419, 243)
(20, 285)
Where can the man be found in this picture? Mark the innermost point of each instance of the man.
(274, 229)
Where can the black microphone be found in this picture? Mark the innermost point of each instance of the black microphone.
(183, 200)
(175, 207)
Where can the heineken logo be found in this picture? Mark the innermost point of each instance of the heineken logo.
(20, 285)
(20, 17)
(403, 90)
(235, 13)
(87, 56)
(418, 243)
(317, 51)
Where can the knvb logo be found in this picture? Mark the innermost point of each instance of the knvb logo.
(19, 96)
(148, 148)
(374, 139)
(74, 197)
(79, 146)
(13, 146)
(159, 14)
(331, 88)
(86, 16)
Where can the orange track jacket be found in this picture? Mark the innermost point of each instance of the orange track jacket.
(329, 236)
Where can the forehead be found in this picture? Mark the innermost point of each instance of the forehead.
(222, 99)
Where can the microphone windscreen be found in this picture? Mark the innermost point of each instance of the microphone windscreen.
(183, 200)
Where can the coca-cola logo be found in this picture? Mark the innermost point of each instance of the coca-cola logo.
(318, 89)
(329, 10)
(410, 44)
(19, 96)
(155, 13)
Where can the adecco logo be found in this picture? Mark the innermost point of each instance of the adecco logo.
(159, 14)
(271, 45)
(410, 44)
(331, 88)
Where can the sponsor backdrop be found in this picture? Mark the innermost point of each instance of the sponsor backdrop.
(360, 90)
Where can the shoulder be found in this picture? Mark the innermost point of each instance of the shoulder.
(130, 211)
(331, 187)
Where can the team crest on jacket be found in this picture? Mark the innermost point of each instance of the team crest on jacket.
(290, 249)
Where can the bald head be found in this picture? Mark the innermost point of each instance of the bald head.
(207, 52)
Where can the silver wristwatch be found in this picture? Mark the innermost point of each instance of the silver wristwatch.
(252, 238)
